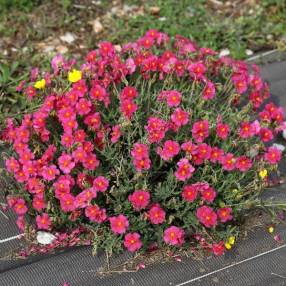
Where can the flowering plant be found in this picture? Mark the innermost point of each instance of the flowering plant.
(160, 143)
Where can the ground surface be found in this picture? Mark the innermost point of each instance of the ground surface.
(256, 260)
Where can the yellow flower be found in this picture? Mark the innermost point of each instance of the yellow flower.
(263, 173)
(270, 229)
(231, 240)
(74, 75)
(40, 84)
(227, 246)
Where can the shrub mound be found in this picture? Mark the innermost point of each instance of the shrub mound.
(158, 143)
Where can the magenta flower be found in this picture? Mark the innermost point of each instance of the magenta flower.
(49, 173)
(100, 184)
(43, 221)
(119, 224)
(174, 235)
(132, 241)
(139, 199)
(66, 163)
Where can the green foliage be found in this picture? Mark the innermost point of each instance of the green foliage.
(23, 5)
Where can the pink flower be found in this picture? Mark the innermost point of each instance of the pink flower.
(79, 136)
(49, 173)
(216, 155)
(79, 155)
(94, 213)
(115, 134)
(130, 65)
(89, 194)
(38, 203)
(190, 193)
(246, 130)
(189, 147)
(222, 130)
(240, 83)
(206, 216)
(185, 170)
(100, 184)
(200, 130)
(203, 151)
(12, 165)
(93, 120)
(142, 164)
(180, 117)
(67, 202)
(43, 221)
(173, 97)
(273, 155)
(197, 70)
(21, 223)
(218, 248)
(83, 106)
(67, 140)
(128, 92)
(174, 235)
(209, 91)
(224, 214)
(139, 199)
(132, 241)
(140, 151)
(170, 149)
(208, 193)
(156, 128)
(266, 134)
(98, 93)
(81, 200)
(243, 163)
(66, 163)
(66, 114)
(106, 49)
(228, 162)
(128, 107)
(91, 162)
(265, 116)
(256, 82)
(119, 224)
(156, 214)
(20, 207)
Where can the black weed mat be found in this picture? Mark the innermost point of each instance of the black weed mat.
(257, 260)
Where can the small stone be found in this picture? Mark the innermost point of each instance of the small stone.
(68, 38)
(224, 52)
(249, 52)
(97, 26)
(117, 48)
(45, 238)
(162, 19)
(279, 146)
(284, 134)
